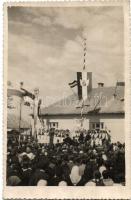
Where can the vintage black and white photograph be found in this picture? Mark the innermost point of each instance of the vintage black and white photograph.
(65, 124)
(66, 96)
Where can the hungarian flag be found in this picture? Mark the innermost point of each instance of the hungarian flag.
(28, 94)
(73, 84)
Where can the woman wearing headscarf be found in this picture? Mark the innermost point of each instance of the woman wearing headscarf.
(74, 178)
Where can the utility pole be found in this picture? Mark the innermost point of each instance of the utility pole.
(36, 103)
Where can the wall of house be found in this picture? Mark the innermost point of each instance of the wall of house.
(112, 122)
(16, 107)
(116, 127)
(71, 122)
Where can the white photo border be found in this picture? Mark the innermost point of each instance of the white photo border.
(115, 192)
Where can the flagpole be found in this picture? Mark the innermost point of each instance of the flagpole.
(84, 53)
(36, 101)
(84, 67)
(82, 108)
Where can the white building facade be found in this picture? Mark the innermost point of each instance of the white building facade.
(114, 123)
(103, 110)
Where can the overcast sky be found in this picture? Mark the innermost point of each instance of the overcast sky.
(45, 46)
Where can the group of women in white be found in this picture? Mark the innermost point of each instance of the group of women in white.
(97, 138)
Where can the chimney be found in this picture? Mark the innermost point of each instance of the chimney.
(100, 85)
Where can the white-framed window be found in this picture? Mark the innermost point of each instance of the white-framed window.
(97, 125)
(53, 125)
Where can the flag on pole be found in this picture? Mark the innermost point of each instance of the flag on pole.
(73, 84)
(84, 83)
(79, 77)
(27, 93)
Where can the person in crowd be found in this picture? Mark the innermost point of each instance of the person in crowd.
(13, 181)
(42, 182)
(26, 170)
(107, 181)
(75, 179)
(62, 183)
(98, 179)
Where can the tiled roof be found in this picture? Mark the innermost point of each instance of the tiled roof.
(100, 100)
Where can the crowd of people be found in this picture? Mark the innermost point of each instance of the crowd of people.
(87, 159)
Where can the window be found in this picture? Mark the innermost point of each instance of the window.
(102, 125)
(96, 125)
(53, 124)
